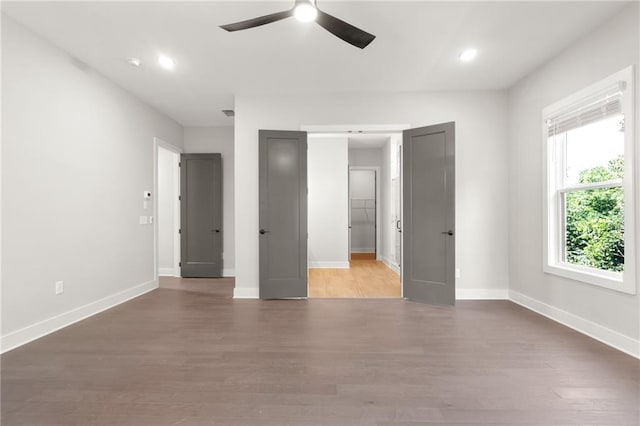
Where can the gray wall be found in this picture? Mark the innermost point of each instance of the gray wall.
(77, 156)
(203, 140)
(607, 50)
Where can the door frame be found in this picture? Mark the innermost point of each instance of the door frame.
(376, 170)
(345, 129)
(157, 144)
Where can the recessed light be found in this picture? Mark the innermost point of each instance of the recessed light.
(134, 62)
(468, 55)
(166, 62)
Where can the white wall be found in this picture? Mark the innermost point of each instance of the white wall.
(168, 213)
(388, 237)
(207, 140)
(77, 155)
(481, 177)
(363, 157)
(603, 313)
(327, 181)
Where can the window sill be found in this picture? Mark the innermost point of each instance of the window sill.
(609, 280)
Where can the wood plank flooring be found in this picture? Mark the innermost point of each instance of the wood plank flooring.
(365, 278)
(363, 256)
(189, 354)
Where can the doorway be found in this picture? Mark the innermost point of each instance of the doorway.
(363, 215)
(166, 205)
(351, 231)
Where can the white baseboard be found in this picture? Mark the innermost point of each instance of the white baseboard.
(322, 264)
(482, 294)
(246, 293)
(363, 250)
(228, 272)
(35, 331)
(603, 334)
(395, 268)
(168, 272)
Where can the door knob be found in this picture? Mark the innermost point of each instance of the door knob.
(449, 232)
(262, 232)
(217, 230)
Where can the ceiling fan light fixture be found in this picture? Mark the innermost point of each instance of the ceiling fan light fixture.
(305, 12)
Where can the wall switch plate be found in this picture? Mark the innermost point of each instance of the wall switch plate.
(144, 220)
(457, 272)
(59, 287)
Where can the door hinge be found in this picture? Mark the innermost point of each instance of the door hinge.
(179, 164)
(180, 264)
(179, 197)
(179, 231)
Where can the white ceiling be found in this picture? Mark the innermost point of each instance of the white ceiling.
(416, 47)
(367, 141)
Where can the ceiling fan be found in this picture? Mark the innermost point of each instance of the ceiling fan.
(306, 11)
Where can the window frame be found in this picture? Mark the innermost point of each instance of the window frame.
(553, 190)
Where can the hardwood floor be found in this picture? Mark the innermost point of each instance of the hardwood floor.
(365, 278)
(363, 256)
(189, 354)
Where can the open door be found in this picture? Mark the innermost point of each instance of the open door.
(428, 264)
(201, 215)
(283, 214)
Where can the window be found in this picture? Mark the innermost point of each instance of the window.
(589, 220)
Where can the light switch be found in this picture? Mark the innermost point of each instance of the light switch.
(143, 220)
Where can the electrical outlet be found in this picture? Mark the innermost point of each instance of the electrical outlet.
(457, 272)
(59, 287)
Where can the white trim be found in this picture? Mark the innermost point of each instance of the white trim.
(623, 282)
(391, 265)
(482, 294)
(35, 331)
(596, 331)
(229, 272)
(159, 143)
(347, 128)
(246, 293)
(168, 272)
(323, 264)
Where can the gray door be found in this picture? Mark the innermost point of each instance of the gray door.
(283, 214)
(428, 267)
(201, 215)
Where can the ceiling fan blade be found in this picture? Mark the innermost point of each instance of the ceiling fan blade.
(343, 30)
(256, 22)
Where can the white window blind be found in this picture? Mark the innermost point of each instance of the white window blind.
(602, 105)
